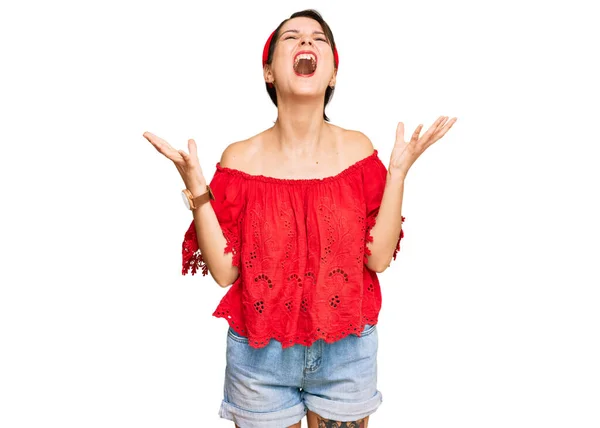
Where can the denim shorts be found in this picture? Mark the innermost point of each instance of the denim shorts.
(272, 387)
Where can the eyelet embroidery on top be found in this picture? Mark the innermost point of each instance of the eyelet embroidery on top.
(334, 301)
(339, 237)
(295, 278)
(262, 278)
(325, 211)
(248, 263)
(259, 306)
(304, 304)
(309, 277)
(339, 274)
(302, 282)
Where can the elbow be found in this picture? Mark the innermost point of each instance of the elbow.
(227, 279)
(381, 268)
(382, 265)
(223, 281)
(224, 284)
(377, 266)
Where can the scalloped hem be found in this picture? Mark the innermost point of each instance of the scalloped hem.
(287, 342)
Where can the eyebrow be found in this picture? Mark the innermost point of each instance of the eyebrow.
(296, 31)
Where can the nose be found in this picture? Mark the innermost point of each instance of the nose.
(306, 40)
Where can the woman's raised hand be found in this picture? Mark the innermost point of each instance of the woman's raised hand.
(188, 165)
(405, 154)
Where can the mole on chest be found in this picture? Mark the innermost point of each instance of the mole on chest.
(316, 168)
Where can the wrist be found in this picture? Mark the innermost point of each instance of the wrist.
(395, 175)
(197, 189)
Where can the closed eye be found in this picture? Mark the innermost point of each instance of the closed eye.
(320, 39)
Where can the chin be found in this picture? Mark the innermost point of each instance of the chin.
(309, 89)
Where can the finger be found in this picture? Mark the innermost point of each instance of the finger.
(192, 148)
(443, 123)
(433, 128)
(156, 140)
(163, 147)
(442, 131)
(400, 133)
(445, 128)
(415, 135)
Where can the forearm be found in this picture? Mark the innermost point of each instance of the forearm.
(212, 244)
(388, 225)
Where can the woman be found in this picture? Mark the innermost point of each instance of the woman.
(301, 218)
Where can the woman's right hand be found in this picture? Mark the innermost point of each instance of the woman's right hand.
(188, 165)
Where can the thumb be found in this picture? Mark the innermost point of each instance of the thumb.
(400, 132)
(192, 148)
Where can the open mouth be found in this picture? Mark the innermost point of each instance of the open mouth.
(305, 63)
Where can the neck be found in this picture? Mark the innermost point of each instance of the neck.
(300, 125)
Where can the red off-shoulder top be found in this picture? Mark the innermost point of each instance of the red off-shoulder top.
(300, 247)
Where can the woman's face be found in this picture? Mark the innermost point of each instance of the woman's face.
(303, 59)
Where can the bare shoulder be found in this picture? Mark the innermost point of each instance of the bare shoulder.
(232, 154)
(361, 144)
(356, 144)
(240, 154)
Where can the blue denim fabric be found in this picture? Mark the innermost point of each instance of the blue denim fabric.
(272, 387)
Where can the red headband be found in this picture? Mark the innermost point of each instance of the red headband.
(268, 45)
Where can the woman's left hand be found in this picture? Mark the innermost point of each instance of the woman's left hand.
(405, 154)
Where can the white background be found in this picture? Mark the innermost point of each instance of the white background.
(491, 311)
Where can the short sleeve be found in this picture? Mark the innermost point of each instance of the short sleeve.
(374, 179)
(228, 205)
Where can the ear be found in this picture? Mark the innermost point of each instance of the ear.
(268, 74)
(332, 81)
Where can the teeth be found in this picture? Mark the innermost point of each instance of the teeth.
(306, 56)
